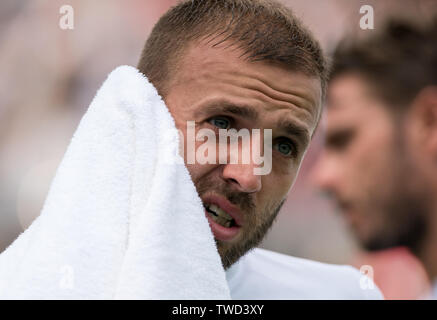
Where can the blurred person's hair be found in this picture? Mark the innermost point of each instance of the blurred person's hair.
(264, 30)
(396, 63)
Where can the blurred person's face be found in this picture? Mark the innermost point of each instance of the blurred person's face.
(263, 96)
(368, 168)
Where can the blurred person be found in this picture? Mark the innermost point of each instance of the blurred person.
(248, 64)
(396, 271)
(380, 156)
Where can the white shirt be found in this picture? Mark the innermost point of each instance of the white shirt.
(433, 295)
(263, 274)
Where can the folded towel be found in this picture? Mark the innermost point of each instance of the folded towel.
(122, 219)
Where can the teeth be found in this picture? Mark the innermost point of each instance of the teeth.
(219, 216)
(220, 212)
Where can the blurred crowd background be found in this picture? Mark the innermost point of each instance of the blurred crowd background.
(49, 76)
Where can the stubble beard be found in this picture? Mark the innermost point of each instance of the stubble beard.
(406, 207)
(256, 224)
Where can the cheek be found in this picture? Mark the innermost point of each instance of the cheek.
(283, 180)
(369, 167)
(275, 189)
(195, 172)
(206, 166)
(200, 171)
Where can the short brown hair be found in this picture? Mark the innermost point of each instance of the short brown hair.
(265, 30)
(396, 63)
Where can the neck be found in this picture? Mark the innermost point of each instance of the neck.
(427, 253)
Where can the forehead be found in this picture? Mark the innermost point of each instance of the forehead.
(204, 69)
(350, 99)
(352, 104)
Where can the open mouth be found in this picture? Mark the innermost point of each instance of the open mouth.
(225, 219)
(220, 216)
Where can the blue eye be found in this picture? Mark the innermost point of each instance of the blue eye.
(286, 148)
(220, 122)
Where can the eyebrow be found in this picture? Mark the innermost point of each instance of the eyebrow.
(293, 129)
(228, 107)
(339, 137)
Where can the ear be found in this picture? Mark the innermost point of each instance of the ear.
(424, 115)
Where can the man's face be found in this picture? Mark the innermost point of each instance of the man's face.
(217, 89)
(366, 166)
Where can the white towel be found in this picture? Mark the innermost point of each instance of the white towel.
(122, 218)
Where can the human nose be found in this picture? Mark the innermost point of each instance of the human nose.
(242, 176)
